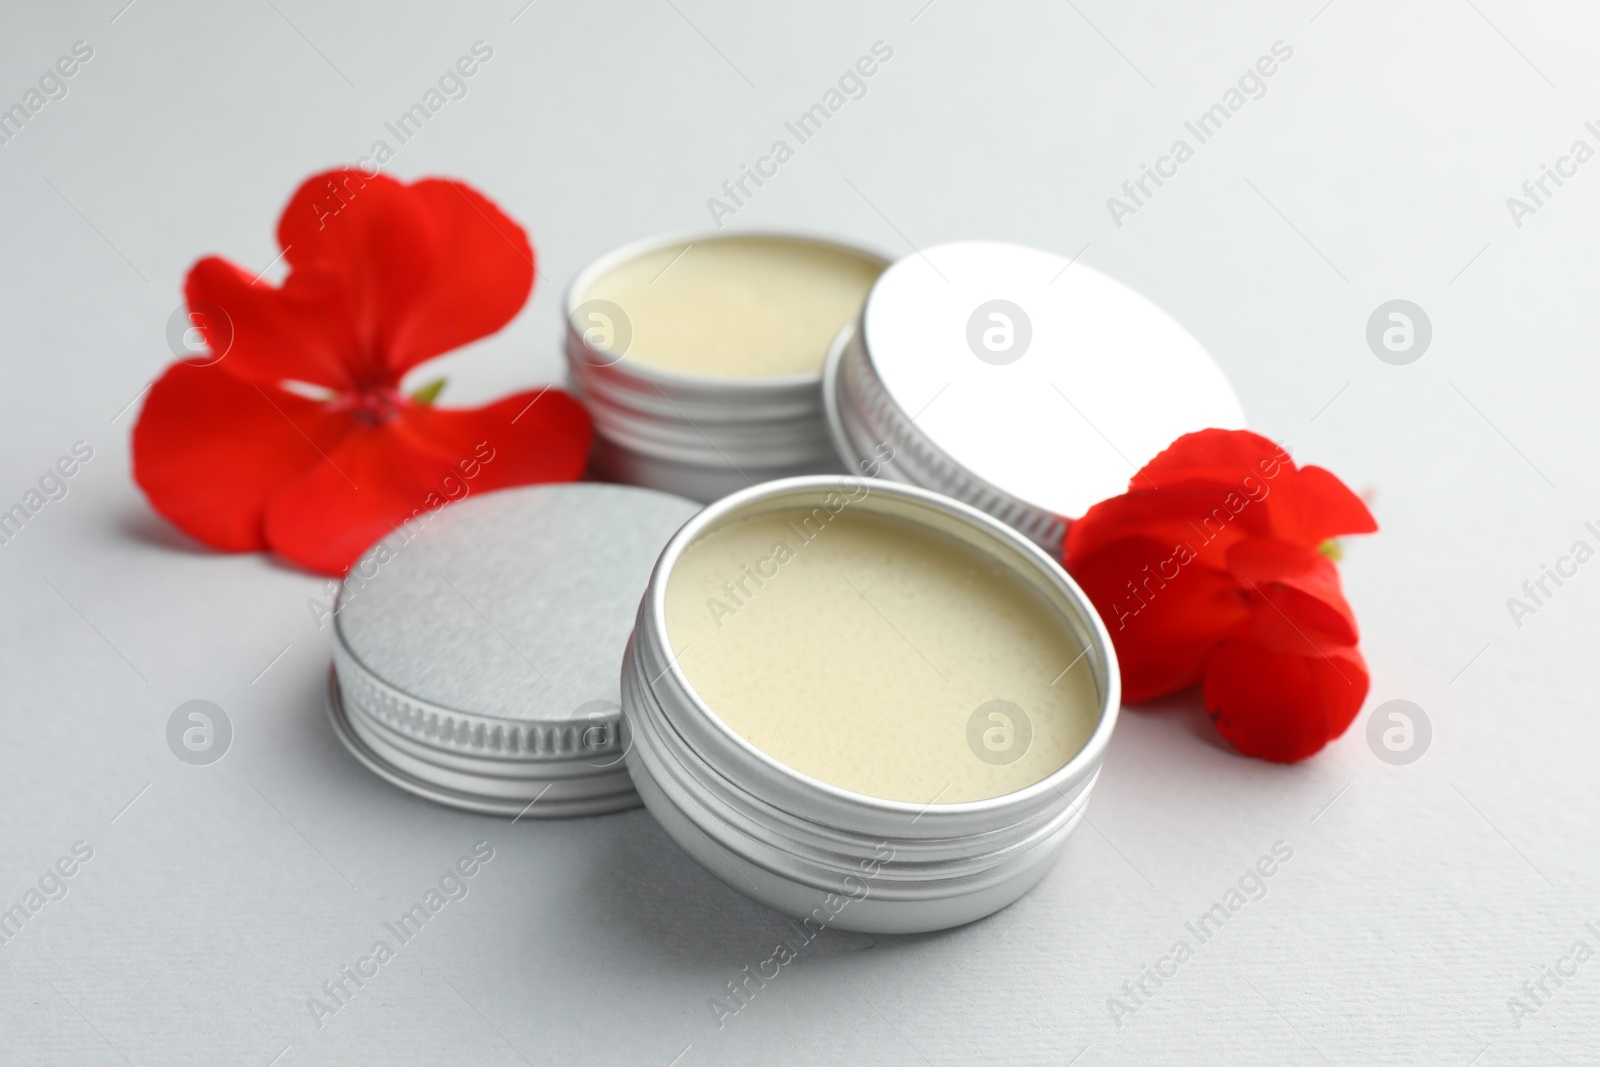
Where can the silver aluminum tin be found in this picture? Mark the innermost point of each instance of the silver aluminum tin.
(1108, 381)
(789, 840)
(476, 663)
(695, 436)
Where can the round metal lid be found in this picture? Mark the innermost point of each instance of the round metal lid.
(1038, 388)
(479, 662)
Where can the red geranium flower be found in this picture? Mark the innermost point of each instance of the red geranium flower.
(1213, 568)
(295, 434)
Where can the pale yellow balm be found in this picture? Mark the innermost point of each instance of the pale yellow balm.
(738, 307)
(879, 655)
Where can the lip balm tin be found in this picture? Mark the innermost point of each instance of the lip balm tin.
(798, 844)
(696, 436)
(476, 663)
(1027, 385)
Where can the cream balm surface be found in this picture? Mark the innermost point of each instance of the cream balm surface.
(879, 655)
(737, 307)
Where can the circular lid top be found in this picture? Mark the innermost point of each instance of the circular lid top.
(1051, 384)
(516, 604)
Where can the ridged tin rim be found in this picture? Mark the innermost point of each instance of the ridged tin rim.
(862, 417)
(611, 791)
(682, 438)
(456, 732)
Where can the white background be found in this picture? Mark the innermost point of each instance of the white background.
(1377, 166)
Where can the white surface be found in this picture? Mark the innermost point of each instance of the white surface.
(1376, 166)
(1092, 376)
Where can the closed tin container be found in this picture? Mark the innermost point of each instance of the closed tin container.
(476, 655)
(693, 435)
(799, 844)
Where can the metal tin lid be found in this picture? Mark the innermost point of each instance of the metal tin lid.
(997, 375)
(478, 661)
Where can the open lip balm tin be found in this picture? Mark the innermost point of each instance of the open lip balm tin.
(1022, 383)
(700, 356)
(840, 856)
(476, 663)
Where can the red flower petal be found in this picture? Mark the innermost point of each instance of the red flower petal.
(1165, 626)
(1308, 505)
(374, 235)
(429, 267)
(1208, 517)
(1282, 707)
(1315, 505)
(1213, 455)
(1300, 584)
(209, 450)
(301, 332)
(381, 476)
(478, 286)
